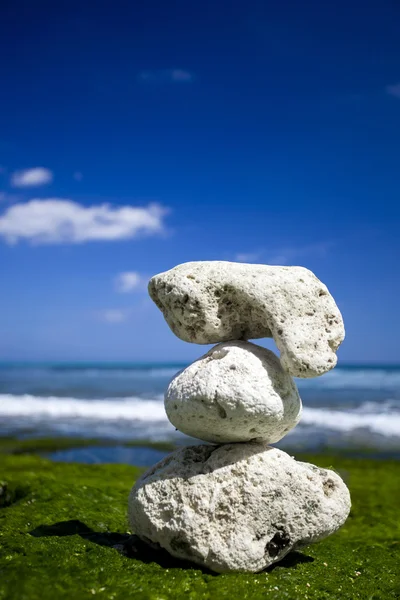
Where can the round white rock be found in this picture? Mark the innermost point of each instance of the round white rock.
(237, 392)
(237, 507)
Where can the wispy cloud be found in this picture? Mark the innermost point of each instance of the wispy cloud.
(7, 197)
(248, 257)
(31, 177)
(128, 282)
(58, 221)
(166, 76)
(113, 315)
(78, 176)
(393, 90)
(288, 254)
(284, 255)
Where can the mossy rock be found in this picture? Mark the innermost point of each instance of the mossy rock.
(63, 534)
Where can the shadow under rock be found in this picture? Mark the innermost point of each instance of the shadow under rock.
(290, 561)
(128, 545)
(133, 547)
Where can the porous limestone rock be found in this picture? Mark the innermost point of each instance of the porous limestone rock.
(208, 302)
(236, 507)
(237, 392)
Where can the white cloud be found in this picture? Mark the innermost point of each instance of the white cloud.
(393, 90)
(31, 177)
(180, 75)
(58, 221)
(248, 257)
(127, 282)
(78, 176)
(286, 255)
(167, 76)
(113, 315)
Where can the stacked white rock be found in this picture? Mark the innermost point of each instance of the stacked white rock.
(240, 504)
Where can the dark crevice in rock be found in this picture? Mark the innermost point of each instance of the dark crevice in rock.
(221, 410)
(279, 542)
(329, 487)
(181, 545)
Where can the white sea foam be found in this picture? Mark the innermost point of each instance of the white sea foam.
(380, 421)
(378, 417)
(52, 408)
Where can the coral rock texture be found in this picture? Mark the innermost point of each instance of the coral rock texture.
(237, 392)
(208, 302)
(236, 507)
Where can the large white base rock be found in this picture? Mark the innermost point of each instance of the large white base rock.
(236, 507)
(237, 392)
(208, 302)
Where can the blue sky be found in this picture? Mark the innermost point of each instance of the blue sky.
(136, 136)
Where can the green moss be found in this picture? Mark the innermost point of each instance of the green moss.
(13, 445)
(61, 521)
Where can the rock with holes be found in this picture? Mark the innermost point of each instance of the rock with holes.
(237, 392)
(215, 301)
(236, 507)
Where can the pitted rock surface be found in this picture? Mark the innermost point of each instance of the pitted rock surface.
(237, 392)
(208, 302)
(236, 507)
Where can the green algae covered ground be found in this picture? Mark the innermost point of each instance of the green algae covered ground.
(63, 534)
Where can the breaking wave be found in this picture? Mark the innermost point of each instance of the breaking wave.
(133, 415)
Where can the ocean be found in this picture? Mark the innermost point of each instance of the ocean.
(351, 407)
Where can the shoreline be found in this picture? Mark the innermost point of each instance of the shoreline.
(72, 449)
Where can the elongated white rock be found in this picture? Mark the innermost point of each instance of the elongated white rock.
(237, 392)
(208, 302)
(237, 507)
